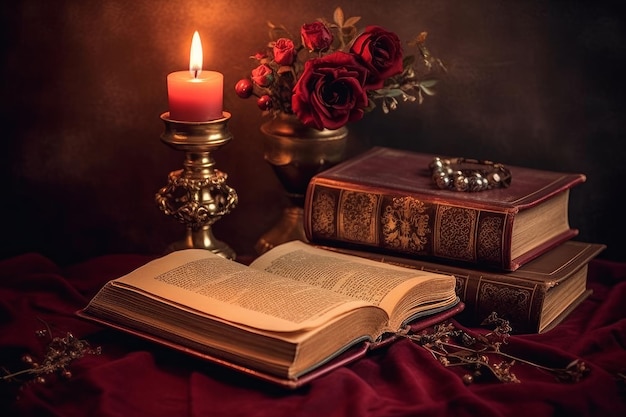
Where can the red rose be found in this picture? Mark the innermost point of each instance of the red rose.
(330, 92)
(381, 52)
(284, 51)
(262, 75)
(316, 36)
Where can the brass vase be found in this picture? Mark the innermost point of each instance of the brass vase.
(296, 153)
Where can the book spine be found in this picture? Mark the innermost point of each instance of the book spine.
(518, 301)
(407, 225)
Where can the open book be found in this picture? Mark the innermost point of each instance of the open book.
(291, 311)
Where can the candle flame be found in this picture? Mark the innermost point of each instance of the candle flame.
(195, 56)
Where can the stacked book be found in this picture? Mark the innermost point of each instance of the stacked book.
(510, 248)
(299, 311)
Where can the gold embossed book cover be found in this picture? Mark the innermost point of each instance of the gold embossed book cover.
(385, 200)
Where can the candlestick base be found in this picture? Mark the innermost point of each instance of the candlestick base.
(203, 239)
(197, 195)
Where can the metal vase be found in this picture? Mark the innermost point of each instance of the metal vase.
(296, 153)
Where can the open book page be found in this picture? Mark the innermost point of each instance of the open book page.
(210, 284)
(376, 283)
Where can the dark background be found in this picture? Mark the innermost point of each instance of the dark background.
(531, 82)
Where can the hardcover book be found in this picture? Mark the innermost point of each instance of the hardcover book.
(386, 200)
(296, 312)
(534, 298)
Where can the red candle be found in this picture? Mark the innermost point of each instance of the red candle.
(195, 95)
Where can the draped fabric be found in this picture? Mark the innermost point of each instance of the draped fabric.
(132, 377)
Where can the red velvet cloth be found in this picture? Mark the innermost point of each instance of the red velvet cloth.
(136, 378)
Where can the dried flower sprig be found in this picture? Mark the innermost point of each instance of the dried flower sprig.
(455, 347)
(60, 352)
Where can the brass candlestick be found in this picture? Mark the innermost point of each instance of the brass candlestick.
(197, 195)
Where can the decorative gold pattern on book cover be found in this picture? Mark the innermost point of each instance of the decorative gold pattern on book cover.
(358, 220)
(407, 224)
(518, 300)
(323, 214)
(498, 296)
(458, 228)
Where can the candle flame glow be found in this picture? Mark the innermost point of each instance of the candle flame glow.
(195, 56)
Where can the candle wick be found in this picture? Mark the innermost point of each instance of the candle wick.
(195, 74)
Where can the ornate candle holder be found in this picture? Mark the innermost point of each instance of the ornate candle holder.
(197, 195)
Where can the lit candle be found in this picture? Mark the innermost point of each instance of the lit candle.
(195, 95)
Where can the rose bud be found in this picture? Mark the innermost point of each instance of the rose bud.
(262, 75)
(284, 51)
(316, 36)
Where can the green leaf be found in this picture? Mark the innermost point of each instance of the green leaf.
(391, 92)
(429, 83)
(338, 16)
(352, 21)
(427, 90)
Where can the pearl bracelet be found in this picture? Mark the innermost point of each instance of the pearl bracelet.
(463, 174)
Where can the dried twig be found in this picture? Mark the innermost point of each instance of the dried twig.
(454, 347)
(60, 352)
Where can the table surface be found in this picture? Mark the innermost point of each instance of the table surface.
(132, 377)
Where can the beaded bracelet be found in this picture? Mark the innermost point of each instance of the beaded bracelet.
(472, 175)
